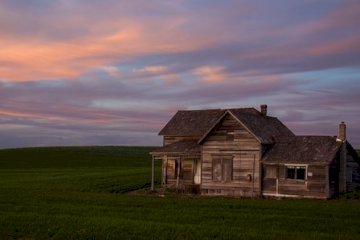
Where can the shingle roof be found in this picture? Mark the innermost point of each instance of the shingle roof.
(179, 147)
(199, 122)
(352, 151)
(303, 149)
(278, 128)
(191, 123)
(266, 129)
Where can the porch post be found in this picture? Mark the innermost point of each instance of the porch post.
(178, 172)
(152, 173)
(166, 171)
(194, 165)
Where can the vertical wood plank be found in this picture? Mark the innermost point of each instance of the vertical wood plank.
(178, 172)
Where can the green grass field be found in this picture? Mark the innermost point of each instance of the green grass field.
(81, 193)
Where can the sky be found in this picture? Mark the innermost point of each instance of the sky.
(111, 72)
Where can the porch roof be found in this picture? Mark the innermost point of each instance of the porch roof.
(185, 147)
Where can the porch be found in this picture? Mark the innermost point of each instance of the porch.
(181, 166)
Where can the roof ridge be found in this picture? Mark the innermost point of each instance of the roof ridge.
(315, 136)
(216, 109)
(198, 110)
(240, 108)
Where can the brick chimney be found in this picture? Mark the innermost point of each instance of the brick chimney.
(263, 109)
(342, 131)
(343, 155)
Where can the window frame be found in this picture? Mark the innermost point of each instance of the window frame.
(296, 167)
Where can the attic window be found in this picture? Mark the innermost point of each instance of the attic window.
(296, 172)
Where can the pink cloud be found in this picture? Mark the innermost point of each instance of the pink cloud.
(70, 58)
(210, 74)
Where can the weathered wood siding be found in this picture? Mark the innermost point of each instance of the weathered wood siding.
(276, 183)
(230, 140)
(334, 171)
(172, 139)
(352, 173)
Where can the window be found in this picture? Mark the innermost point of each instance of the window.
(222, 168)
(187, 169)
(296, 172)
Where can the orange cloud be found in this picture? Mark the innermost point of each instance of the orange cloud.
(38, 59)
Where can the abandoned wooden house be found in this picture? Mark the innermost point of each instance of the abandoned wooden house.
(244, 152)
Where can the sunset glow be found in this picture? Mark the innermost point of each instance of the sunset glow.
(114, 72)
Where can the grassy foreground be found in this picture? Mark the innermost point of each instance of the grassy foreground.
(79, 193)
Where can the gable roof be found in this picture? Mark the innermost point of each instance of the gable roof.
(352, 152)
(266, 129)
(303, 149)
(200, 122)
(191, 122)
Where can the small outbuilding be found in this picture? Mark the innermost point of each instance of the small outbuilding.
(246, 153)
